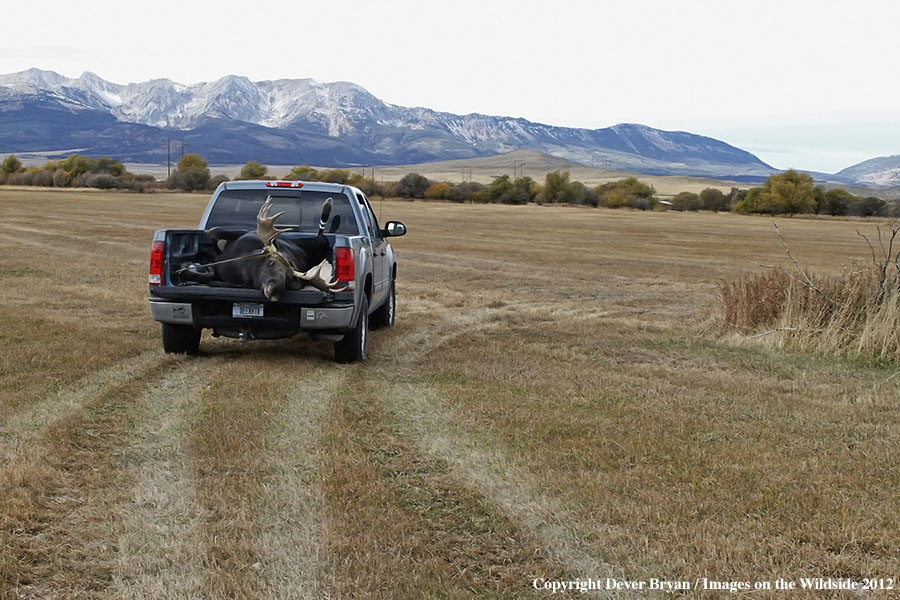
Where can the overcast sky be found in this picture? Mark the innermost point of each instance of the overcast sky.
(804, 84)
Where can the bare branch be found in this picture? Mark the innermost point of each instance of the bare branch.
(896, 229)
(887, 259)
(890, 250)
(808, 283)
(874, 260)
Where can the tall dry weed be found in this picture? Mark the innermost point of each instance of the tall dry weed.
(855, 313)
(753, 300)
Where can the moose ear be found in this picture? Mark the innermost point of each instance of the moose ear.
(220, 244)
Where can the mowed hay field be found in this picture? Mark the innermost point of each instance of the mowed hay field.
(551, 404)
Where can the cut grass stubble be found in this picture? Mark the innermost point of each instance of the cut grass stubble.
(551, 363)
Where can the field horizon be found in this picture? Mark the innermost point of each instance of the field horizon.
(483, 170)
(555, 403)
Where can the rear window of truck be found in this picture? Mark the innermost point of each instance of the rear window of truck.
(237, 209)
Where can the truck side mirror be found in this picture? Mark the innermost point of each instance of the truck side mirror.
(394, 229)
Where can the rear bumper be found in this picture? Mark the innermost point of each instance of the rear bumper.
(179, 313)
(278, 320)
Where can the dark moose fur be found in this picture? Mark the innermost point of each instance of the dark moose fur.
(268, 273)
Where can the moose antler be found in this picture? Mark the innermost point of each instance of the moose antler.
(320, 277)
(265, 225)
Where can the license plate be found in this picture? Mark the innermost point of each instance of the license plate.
(246, 310)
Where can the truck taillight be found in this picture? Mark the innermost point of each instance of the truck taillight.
(157, 253)
(346, 270)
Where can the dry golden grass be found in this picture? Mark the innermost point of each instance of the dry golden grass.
(547, 406)
(854, 314)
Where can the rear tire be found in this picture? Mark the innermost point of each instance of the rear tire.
(352, 348)
(386, 314)
(180, 339)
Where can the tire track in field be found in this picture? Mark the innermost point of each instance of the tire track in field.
(515, 491)
(437, 326)
(67, 487)
(292, 522)
(401, 523)
(252, 447)
(431, 327)
(160, 519)
(420, 341)
(19, 430)
(154, 530)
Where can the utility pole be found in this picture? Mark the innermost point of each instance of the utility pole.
(168, 157)
(518, 169)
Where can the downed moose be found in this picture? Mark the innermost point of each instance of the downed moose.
(265, 261)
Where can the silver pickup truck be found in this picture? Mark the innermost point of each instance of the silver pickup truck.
(363, 261)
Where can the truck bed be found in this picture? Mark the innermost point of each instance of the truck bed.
(211, 305)
(185, 246)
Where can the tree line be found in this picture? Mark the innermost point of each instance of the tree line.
(795, 193)
(790, 192)
(557, 188)
(191, 174)
(74, 171)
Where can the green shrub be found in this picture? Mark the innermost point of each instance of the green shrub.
(103, 181)
(302, 173)
(626, 192)
(253, 170)
(10, 164)
(686, 201)
(412, 185)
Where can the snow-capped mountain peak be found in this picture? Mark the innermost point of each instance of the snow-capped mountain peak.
(281, 118)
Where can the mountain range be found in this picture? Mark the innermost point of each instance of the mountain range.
(295, 121)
